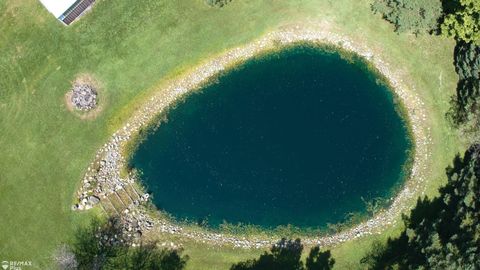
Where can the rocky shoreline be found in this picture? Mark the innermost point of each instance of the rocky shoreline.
(103, 176)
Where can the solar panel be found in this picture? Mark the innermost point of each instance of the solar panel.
(75, 11)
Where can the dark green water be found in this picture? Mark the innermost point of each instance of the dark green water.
(297, 137)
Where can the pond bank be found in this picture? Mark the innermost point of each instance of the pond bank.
(103, 176)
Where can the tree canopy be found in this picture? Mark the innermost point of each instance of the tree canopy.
(441, 233)
(467, 61)
(416, 16)
(467, 64)
(463, 23)
(102, 245)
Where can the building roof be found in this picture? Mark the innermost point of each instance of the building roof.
(58, 7)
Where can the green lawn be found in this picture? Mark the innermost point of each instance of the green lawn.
(131, 46)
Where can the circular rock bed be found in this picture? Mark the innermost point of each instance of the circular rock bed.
(84, 97)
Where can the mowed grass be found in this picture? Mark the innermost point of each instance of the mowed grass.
(131, 47)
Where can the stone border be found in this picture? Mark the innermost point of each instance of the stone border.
(85, 78)
(104, 173)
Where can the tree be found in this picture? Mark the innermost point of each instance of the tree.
(286, 255)
(98, 244)
(467, 61)
(464, 105)
(102, 245)
(440, 233)
(416, 16)
(463, 23)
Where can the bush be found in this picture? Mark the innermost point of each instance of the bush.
(416, 16)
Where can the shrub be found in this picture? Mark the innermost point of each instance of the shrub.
(416, 16)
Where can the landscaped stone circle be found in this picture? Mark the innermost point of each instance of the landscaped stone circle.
(84, 97)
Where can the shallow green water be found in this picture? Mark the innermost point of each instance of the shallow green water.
(297, 137)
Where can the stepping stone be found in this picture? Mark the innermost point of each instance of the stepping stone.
(116, 202)
(131, 192)
(108, 207)
(124, 197)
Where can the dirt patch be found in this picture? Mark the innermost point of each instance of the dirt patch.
(98, 101)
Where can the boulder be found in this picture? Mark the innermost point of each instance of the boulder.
(93, 200)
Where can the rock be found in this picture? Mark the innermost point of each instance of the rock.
(84, 97)
(93, 200)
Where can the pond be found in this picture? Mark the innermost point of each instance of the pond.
(301, 137)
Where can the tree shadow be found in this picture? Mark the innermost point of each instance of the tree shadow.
(442, 231)
(286, 255)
